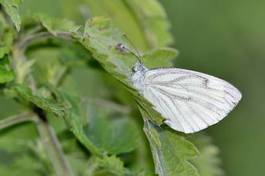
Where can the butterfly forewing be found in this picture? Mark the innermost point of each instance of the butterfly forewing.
(189, 101)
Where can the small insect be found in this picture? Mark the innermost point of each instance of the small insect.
(189, 101)
(121, 48)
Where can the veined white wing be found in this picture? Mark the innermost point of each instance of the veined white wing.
(188, 100)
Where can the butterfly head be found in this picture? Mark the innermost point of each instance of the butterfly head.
(139, 67)
(139, 71)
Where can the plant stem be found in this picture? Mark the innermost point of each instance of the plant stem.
(23, 44)
(16, 119)
(53, 148)
(19, 57)
(48, 138)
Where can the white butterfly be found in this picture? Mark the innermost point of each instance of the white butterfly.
(188, 100)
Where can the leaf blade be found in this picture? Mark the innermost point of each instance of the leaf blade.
(6, 73)
(171, 152)
(12, 9)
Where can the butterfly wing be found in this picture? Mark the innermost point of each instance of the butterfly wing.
(189, 101)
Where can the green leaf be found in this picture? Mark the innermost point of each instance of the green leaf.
(46, 103)
(3, 24)
(111, 166)
(112, 135)
(16, 157)
(107, 165)
(69, 107)
(171, 152)
(88, 82)
(12, 7)
(208, 162)
(119, 12)
(6, 41)
(6, 74)
(153, 21)
(9, 107)
(15, 154)
(56, 25)
(75, 119)
(161, 57)
(146, 23)
(52, 64)
(47, 67)
(92, 166)
(101, 38)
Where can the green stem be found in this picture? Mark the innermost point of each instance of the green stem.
(53, 148)
(46, 132)
(25, 42)
(16, 119)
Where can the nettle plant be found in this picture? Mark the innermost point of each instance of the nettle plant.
(68, 107)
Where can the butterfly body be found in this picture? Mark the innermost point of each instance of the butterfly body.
(189, 101)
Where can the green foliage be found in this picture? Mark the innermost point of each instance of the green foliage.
(161, 57)
(19, 159)
(207, 162)
(119, 134)
(75, 120)
(5, 42)
(145, 23)
(17, 155)
(57, 25)
(111, 166)
(42, 102)
(11, 8)
(6, 74)
(101, 38)
(171, 152)
(153, 21)
(72, 78)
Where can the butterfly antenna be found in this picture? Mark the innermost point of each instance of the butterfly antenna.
(121, 47)
(137, 55)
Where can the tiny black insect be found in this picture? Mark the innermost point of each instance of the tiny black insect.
(120, 47)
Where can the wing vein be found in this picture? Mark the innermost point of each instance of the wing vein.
(166, 106)
(179, 110)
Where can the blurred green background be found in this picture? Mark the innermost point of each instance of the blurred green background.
(222, 38)
(227, 39)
